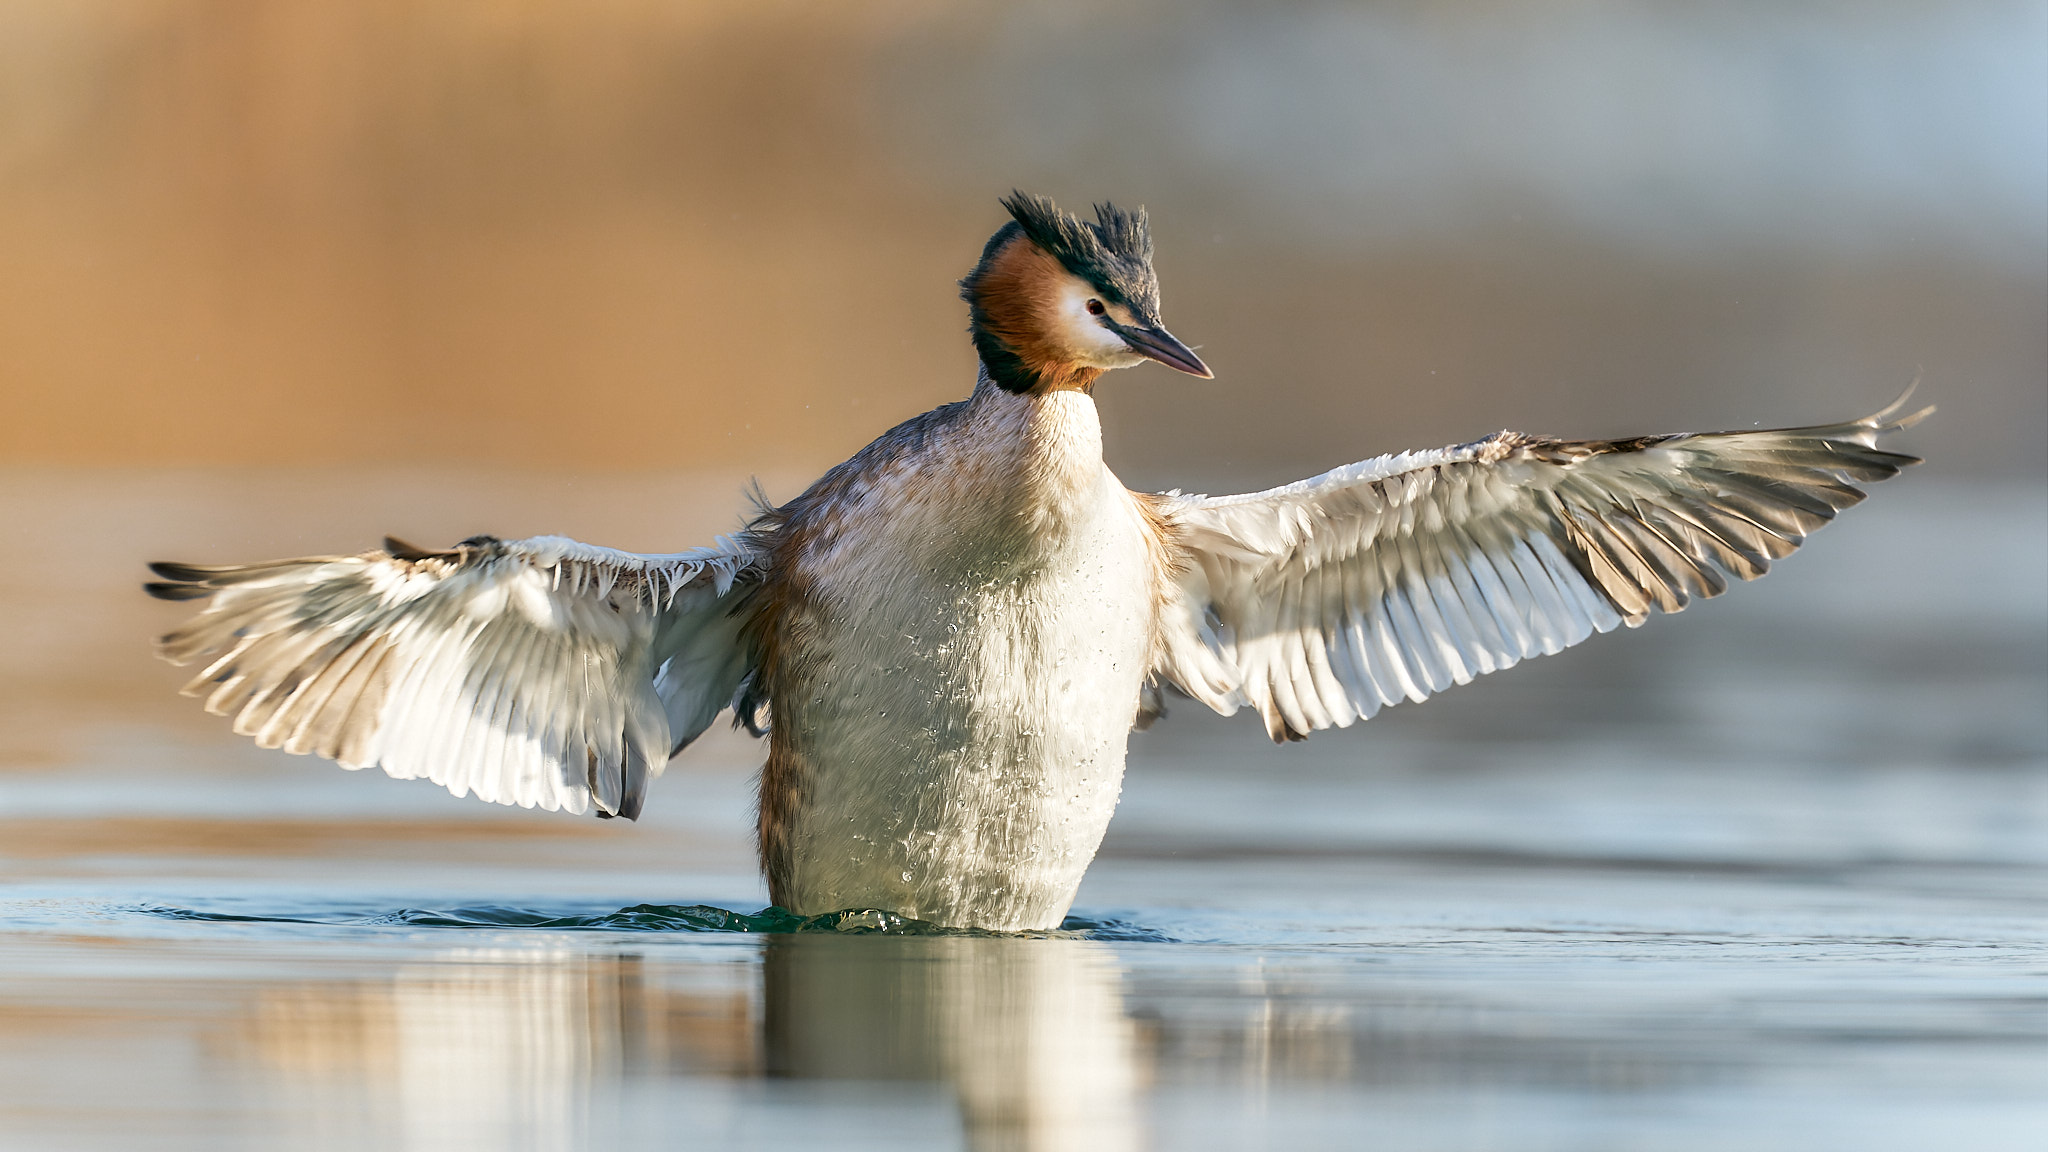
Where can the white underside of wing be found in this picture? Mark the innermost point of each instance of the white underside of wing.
(540, 673)
(1330, 644)
(1322, 601)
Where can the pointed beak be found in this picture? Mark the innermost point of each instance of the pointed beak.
(1158, 344)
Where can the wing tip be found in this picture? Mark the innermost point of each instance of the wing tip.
(1907, 421)
(172, 570)
(1281, 730)
(180, 581)
(1887, 419)
(167, 590)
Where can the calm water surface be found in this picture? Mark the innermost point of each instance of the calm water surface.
(1773, 874)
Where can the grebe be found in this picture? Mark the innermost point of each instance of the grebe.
(948, 638)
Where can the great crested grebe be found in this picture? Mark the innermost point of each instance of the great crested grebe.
(948, 637)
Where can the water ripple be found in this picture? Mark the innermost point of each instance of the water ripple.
(666, 918)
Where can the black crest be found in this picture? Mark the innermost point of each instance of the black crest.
(1114, 253)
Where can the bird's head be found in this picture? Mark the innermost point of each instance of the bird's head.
(1056, 301)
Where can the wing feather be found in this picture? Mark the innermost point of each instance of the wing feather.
(542, 672)
(1322, 601)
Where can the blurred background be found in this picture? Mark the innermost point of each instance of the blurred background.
(276, 279)
(280, 278)
(724, 236)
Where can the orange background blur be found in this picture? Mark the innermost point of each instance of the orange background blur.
(723, 237)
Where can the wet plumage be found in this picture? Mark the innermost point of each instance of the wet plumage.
(947, 638)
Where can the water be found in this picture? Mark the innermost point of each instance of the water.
(1773, 874)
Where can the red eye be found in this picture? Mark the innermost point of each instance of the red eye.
(1095, 308)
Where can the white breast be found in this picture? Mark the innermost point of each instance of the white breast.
(967, 674)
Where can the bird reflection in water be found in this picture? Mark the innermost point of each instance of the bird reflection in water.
(544, 1050)
(1030, 1034)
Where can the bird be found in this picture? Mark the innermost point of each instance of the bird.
(948, 638)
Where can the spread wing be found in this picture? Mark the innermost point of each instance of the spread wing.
(542, 672)
(1320, 602)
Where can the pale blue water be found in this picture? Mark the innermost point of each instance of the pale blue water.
(1771, 875)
